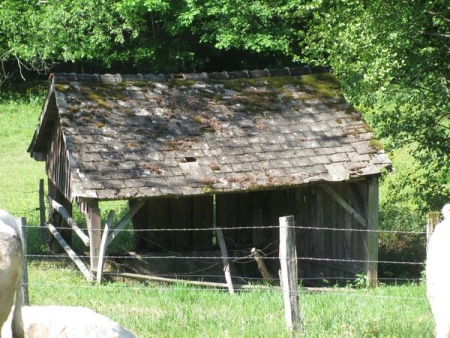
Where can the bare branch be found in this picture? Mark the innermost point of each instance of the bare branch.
(439, 15)
(19, 63)
(447, 36)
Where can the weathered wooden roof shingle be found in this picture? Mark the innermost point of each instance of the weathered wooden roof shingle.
(140, 136)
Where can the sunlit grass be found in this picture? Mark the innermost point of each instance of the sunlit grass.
(19, 173)
(161, 310)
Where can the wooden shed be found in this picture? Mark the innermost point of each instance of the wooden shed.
(233, 150)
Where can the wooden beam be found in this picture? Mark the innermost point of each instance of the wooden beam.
(338, 266)
(63, 212)
(124, 221)
(185, 281)
(372, 234)
(344, 204)
(73, 256)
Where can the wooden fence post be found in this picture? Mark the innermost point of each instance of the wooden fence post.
(289, 276)
(22, 222)
(372, 234)
(44, 235)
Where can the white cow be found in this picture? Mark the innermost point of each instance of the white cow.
(69, 322)
(11, 261)
(438, 274)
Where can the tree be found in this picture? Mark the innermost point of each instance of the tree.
(392, 60)
(390, 56)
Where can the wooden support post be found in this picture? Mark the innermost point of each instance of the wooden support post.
(432, 221)
(93, 219)
(22, 223)
(262, 267)
(110, 232)
(372, 234)
(104, 246)
(289, 276)
(226, 265)
(79, 263)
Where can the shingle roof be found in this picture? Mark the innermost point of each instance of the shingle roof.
(131, 136)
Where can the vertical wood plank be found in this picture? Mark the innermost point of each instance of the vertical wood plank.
(289, 275)
(140, 224)
(158, 212)
(372, 235)
(348, 254)
(226, 214)
(318, 235)
(258, 231)
(202, 217)
(180, 218)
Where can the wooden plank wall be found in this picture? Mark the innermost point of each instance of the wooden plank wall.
(332, 245)
(57, 163)
(310, 205)
(170, 213)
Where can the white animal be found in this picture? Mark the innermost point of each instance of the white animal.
(438, 274)
(11, 261)
(69, 322)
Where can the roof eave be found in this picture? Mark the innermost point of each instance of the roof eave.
(36, 148)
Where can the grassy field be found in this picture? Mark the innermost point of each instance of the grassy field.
(157, 310)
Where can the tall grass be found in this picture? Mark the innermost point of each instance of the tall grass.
(19, 173)
(182, 311)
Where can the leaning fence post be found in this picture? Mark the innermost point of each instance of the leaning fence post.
(226, 265)
(289, 276)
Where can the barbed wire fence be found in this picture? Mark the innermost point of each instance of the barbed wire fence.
(31, 213)
(207, 262)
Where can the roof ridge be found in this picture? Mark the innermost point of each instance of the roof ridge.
(257, 73)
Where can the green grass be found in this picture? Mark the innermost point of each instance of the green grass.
(158, 310)
(19, 173)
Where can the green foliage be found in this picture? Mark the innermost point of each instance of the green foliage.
(392, 60)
